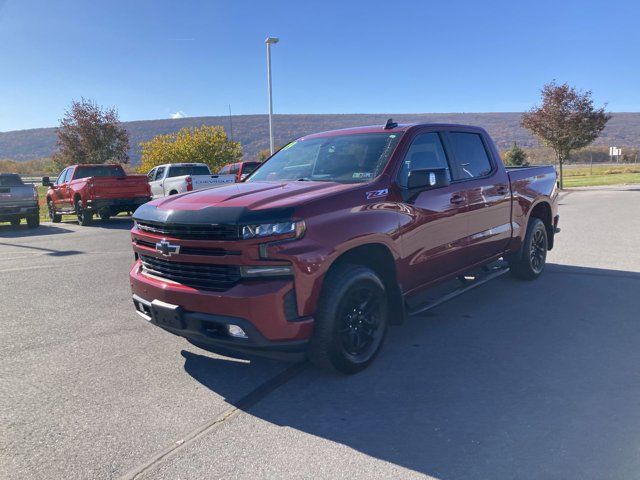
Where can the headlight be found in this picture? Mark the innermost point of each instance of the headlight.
(271, 229)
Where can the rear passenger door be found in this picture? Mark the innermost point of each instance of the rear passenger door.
(486, 189)
(435, 226)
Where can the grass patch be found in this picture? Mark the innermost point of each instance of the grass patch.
(602, 179)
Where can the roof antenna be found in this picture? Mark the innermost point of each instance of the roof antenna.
(390, 124)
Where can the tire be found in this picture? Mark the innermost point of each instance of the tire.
(105, 215)
(33, 221)
(53, 216)
(85, 217)
(15, 222)
(351, 320)
(529, 262)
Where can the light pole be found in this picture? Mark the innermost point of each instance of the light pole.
(269, 41)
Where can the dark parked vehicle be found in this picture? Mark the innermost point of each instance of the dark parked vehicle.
(85, 190)
(18, 201)
(336, 237)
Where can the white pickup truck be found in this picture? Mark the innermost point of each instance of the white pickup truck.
(173, 178)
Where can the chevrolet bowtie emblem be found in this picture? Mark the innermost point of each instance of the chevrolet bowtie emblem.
(167, 249)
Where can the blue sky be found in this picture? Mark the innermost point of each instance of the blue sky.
(152, 59)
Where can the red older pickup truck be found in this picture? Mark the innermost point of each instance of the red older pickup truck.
(85, 190)
(337, 236)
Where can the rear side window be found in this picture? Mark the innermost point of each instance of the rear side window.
(179, 171)
(10, 181)
(470, 155)
(249, 167)
(425, 152)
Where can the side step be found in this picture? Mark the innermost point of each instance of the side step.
(465, 283)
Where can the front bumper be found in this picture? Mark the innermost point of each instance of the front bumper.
(259, 307)
(207, 330)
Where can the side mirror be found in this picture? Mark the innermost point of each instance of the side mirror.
(46, 182)
(427, 179)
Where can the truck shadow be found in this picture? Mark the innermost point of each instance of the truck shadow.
(114, 223)
(8, 231)
(511, 380)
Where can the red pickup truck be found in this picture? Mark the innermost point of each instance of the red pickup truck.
(337, 236)
(85, 190)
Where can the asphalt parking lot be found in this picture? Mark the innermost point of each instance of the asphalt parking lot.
(512, 380)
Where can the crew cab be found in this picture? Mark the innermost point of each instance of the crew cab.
(337, 236)
(85, 190)
(239, 170)
(174, 178)
(18, 201)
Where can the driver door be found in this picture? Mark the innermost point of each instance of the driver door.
(434, 229)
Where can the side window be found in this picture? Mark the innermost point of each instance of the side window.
(470, 155)
(151, 175)
(425, 152)
(160, 173)
(63, 176)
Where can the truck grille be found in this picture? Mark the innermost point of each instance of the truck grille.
(205, 232)
(203, 276)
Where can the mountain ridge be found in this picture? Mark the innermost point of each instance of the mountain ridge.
(253, 130)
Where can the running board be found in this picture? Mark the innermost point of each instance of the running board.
(468, 282)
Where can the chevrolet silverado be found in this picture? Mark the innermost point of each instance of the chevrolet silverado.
(335, 237)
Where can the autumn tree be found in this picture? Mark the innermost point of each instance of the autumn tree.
(90, 134)
(565, 121)
(516, 156)
(205, 144)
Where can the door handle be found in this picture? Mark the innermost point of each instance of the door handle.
(502, 190)
(457, 199)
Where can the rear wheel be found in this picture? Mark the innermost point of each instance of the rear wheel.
(15, 222)
(85, 217)
(105, 215)
(351, 320)
(53, 216)
(529, 262)
(33, 221)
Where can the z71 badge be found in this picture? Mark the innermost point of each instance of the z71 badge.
(377, 193)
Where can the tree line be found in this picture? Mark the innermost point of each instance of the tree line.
(565, 121)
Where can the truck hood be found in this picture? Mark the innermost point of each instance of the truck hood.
(238, 203)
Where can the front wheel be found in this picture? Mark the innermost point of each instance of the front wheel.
(53, 216)
(351, 320)
(530, 260)
(84, 216)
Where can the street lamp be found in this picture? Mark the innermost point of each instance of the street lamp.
(269, 41)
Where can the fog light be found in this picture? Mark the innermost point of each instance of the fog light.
(236, 331)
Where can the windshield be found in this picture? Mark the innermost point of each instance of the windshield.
(10, 181)
(179, 171)
(355, 158)
(99, 171)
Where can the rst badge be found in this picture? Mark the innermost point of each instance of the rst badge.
(377, 193)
